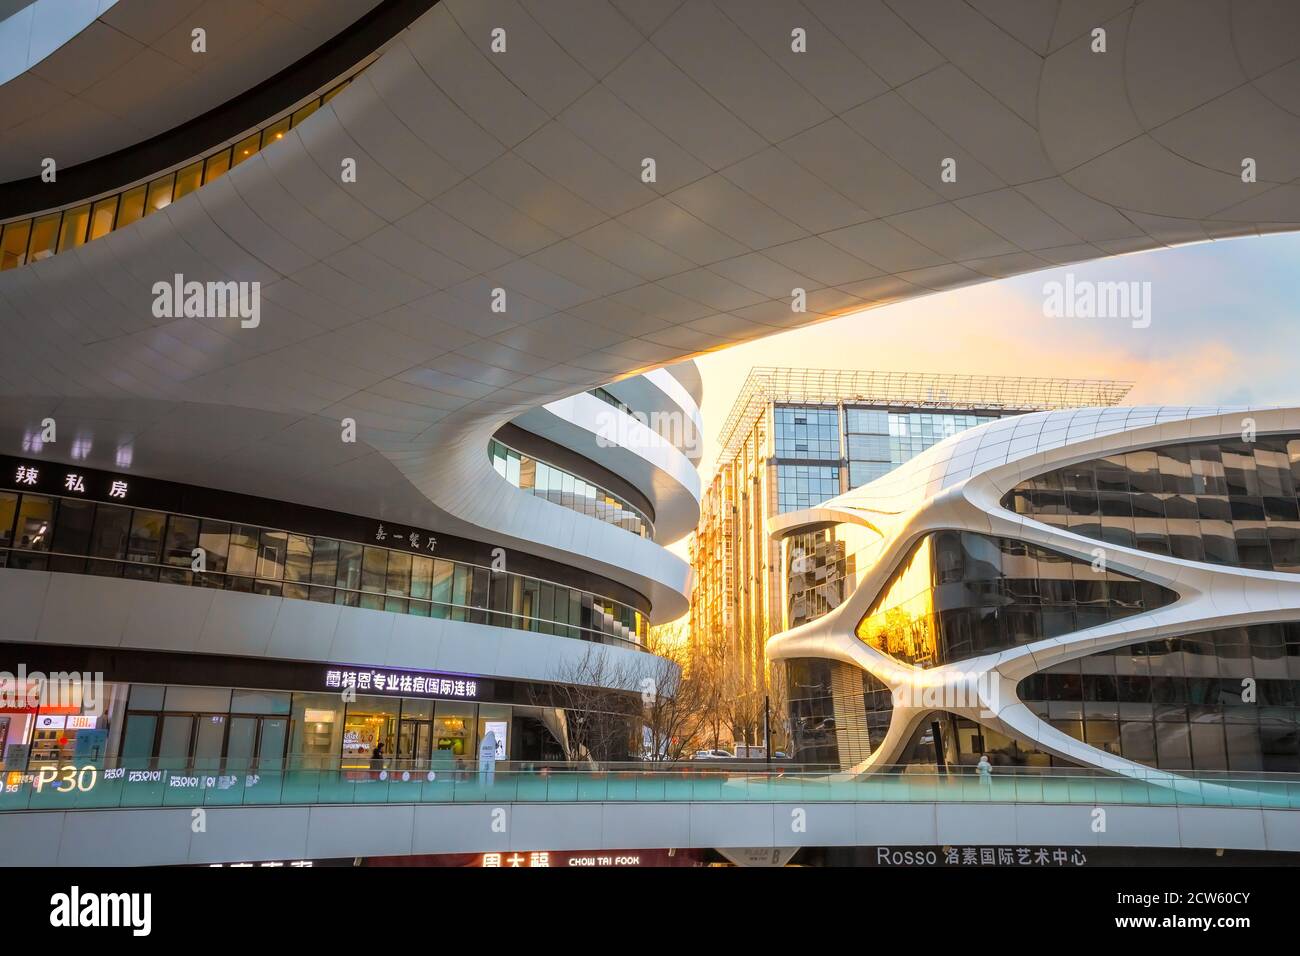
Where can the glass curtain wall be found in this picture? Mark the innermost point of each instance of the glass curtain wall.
(40, 532)
(958, 594)
(1231, 503)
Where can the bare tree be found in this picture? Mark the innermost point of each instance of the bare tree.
(598, 696)
(676, 699)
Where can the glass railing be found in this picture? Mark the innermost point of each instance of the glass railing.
(544, 480)
(34, 238)
(71, 535)
(97, 788)
(610, 399)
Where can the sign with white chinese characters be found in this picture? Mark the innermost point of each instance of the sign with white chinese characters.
(405, 538)
(60, 479)
(980, 856)
(369, 680)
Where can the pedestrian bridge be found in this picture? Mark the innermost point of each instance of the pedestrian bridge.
(158, 817)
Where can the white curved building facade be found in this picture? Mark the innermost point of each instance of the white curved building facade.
(385, 178)
(227, 627)
(1111, 588)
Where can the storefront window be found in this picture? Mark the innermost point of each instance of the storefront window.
(178, 549)
(349, 575)
(453, 729)
(72, 535)
(35, 516)
(242, 557)
(144, 545)
(494, 719)
(215, 542)
(370, 731)
(270, 563)
(317, 730)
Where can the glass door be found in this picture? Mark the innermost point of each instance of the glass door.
(174, 743)
(414, 741)
(137, 745)
(241, 746)
(271, 743)
(209, 741)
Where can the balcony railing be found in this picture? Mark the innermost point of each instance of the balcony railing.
(90, 787)
(34, 238)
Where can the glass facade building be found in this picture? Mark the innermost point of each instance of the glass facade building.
(1230, 503)
(837, 711)
(1221, 700)
(225, 729)
(797, 437)
(958, 594)
(1201, 698)
(48, 532)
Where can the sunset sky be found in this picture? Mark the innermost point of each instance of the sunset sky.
(1225, 328)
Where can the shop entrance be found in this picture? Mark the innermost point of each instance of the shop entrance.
(256, 743)
(215, 742)
(414, 743)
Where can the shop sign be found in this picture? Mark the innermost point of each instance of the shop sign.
(981, 856)
(402, 683)
(133, 776)
(70, 777)
(550, 859)
(407, 538)
(46, 477)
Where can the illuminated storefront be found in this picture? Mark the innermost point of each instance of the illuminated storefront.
(318, 721)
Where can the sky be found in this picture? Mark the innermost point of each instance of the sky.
(1224, 329)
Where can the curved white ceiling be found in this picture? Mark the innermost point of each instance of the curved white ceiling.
(522, 170)
(129, 73)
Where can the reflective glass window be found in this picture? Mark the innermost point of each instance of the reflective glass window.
(72, 233)
(45, 234)
(244, 543)
(72, 535)
(131, 207)
(245, 148)
(108, 540)
(275, 132)
(216, 166)
(160, 194)
(101, 217)
(13, 244)
(188, 179)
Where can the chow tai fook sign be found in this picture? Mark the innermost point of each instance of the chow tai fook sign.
(368, 680)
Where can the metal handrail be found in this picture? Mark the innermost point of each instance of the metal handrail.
(636, 512)
(90, 787)
(384, 594)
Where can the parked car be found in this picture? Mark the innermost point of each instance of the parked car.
(713, 755)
